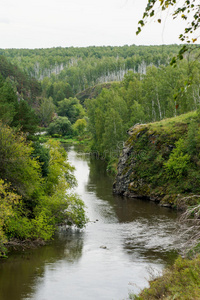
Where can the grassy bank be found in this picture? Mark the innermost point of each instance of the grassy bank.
(85, 140)
(180, 281)
(163, 163)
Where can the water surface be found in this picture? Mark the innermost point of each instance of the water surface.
(125, 242)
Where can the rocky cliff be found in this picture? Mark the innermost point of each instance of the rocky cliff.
(160, 161)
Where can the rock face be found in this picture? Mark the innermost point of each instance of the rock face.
(127, 161)
(142, 165)
(121, 185)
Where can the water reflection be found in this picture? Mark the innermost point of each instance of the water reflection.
(23, 271)
(124, 238)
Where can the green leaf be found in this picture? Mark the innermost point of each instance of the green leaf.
(152, 13)
(138, 31)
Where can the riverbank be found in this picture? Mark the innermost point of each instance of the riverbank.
(77, 264)
(160, 161)
(38, 199)
(180, 281)
(17, 245)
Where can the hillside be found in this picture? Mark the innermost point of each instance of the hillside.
(86, 67)
(160, 161)
(92, 92)
(28, 88)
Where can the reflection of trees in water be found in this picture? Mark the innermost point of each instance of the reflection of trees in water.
(142, 221)
(99, 179)
(74, 239)
(131, 209)
(20, 272)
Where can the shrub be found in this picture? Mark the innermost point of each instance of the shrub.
(178, 162)
(60, 125)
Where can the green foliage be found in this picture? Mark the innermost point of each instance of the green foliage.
(79, 127)
(27, 88)
(22, 227)
(72, 70)
(163, 161)
(41, 154)
(75, 212)
(43, 227)
(139, 99)
(16, 112)
(25, 118)
(57, 90)
(46, 111)
(137, 113)
(181, 281)
(16, 164)
(71, 108)
(186, 10)
(36, 199)
(192, 141)
(8, 102)
(107, 122)
(177, 165)
(60, 125)
(57, 203)
(8, 200)
(60, 171)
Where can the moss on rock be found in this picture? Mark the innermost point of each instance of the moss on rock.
(158, 161)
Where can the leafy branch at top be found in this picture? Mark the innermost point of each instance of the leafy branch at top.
(188, 10)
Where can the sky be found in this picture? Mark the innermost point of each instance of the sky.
(81, 23)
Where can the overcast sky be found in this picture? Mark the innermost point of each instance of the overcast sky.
(65, 23)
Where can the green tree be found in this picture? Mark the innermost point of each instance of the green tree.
(79, 126)
(16, 165)
(25, 118)
(177, 164)
(8, 200)
(46, 111)
(42, 155)
(32, 205)
(61, 90)
(187, 10)
(137, 114)
(71, 108)
(8, 102)
(107, 120)
(63, 206)
(60, 125)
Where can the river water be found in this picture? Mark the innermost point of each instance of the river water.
(125, 243)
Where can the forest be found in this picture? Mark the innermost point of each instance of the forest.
(93, 94)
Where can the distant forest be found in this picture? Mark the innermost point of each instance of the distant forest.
(103, 91)
(92, 95)
(86, 67)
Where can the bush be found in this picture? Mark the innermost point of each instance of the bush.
(181, 281)
(60, 125)
(178, 162)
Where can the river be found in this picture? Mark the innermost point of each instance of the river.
(125, 243)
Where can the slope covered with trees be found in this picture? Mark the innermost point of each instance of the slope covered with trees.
(34, 178)
(84, 67)
(147, 94)
(162, 92)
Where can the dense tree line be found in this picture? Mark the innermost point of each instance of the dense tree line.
(84, 67)
(34, 178)
(26, 87)
(162, 92)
